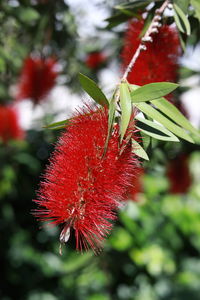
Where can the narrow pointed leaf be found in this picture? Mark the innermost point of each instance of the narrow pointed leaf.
(196, 5)
(178, 22)
(180, 14)
(132, 4)
(111, 117)
(126, 108)
(154, 114)
(133, 87)
(93, 90)
(58, 125)
(173, 113)
(183, 4)
(138, 150)
(117, 19)
(152, 91)
(183, 43)
(155, 130)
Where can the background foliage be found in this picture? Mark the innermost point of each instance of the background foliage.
(153, 252)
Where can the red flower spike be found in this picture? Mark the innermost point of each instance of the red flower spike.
(94, 60)
(37, 78)
(159, 62)
(9, 126)
(179, 175)
(82, 188)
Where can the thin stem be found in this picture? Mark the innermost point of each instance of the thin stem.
(153, 28)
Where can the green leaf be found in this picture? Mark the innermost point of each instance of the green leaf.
(117, 19)
(93, 90)
(58, 125)
(126, 108)
(183, 4)
(183, 43)
(154, 114)
(138, 150)
(179, 15)
(173, 113)
(126, 11)
(111, 114)
(133, 87)
(155, 130)
(152, 91)
(196, 5)
(178, 23)
(134, 4)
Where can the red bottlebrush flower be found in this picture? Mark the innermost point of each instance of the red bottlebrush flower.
(9, 126)
(37, 78)
(159, 62)
(137, 186)
(95, 59)
(82, 189)
(178, 174)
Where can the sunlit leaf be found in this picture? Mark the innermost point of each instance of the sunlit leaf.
(126, 108)
(155, 130)
(154, 114)
(179, 15)
(178, 22)
(138, 150)
(152, 91)
(173, 113)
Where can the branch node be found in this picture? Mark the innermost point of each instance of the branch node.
(147, 39)
(155, 24)
(154, 30)
(170, 6)
(157, 18)
(158, 12)
(143, 47)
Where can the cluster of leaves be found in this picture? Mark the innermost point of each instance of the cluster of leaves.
(161, 119)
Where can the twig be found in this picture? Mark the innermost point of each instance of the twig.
(153, 28)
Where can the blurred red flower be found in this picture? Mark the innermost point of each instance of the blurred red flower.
(179, 176)
(37, 78)
(9, 125)
(95, 59)
(82, 189)
(159, 62)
